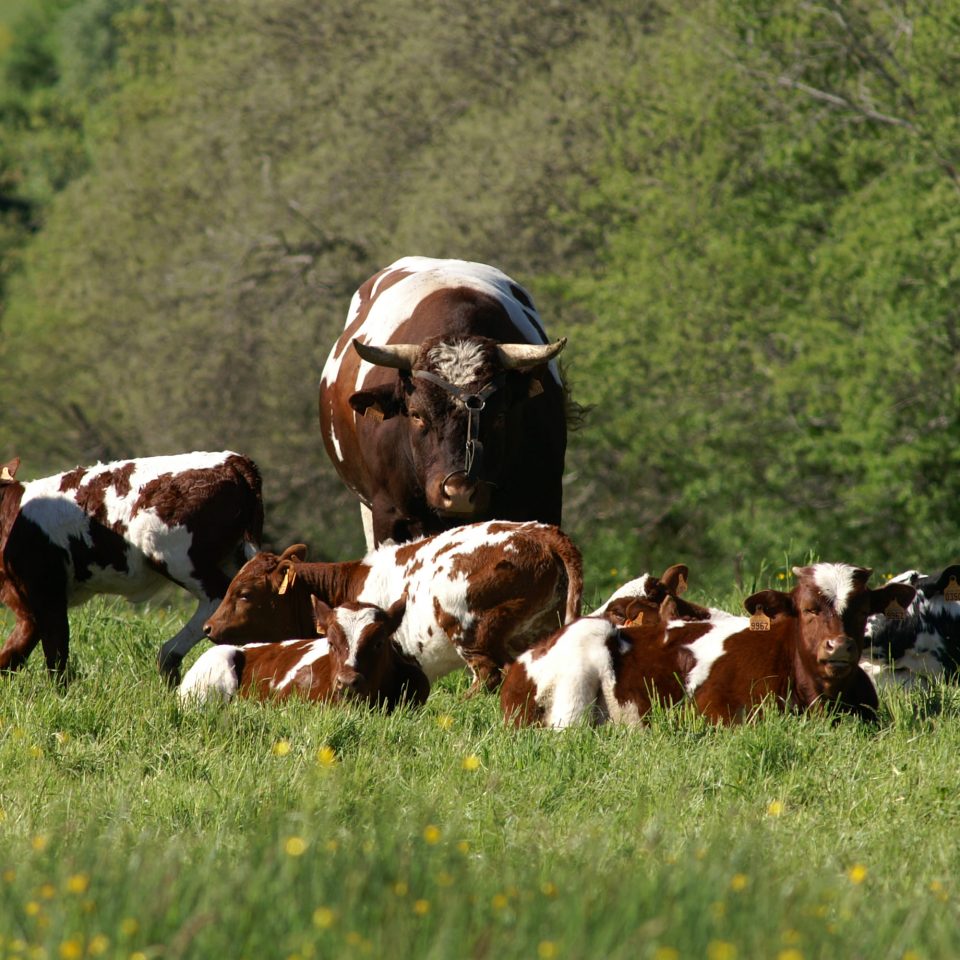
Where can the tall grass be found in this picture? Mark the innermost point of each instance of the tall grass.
(131, 829)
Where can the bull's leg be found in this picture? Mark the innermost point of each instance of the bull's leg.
(23, 638)
(176, 648)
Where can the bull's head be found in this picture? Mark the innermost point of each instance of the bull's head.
(461, 399)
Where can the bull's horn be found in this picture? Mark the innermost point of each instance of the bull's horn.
(399, 355)
(522, 356)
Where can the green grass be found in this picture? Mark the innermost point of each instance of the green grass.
(132, 830)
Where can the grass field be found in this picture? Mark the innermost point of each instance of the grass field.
(253, 831)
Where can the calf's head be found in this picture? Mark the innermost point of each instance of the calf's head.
(649, 599)
(459, 398)
(367, 664)
(260, 604)
(830, 603)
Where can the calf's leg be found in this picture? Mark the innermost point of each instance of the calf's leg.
(23, 638)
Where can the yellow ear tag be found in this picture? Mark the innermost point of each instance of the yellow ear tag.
(637, 621)
(5, 474)
(374, 413)
(759, 621)
(894, 611)
(289, 575)
(681, 584)
(952, 590)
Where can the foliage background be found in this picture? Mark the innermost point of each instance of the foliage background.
(744, 216)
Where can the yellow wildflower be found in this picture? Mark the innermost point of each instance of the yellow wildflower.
(323, 918)
(78, 883)
(431, 834)
(721, 950)
(857, 874)
(326, 756)
(546, 950)
(294, 846)
(775, 808)
(281, 748)
(71, 950)
(471, 762)
(739, 882)
(421, 907)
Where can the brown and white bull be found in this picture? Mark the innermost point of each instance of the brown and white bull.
(803, 656)
(476, 595)
(356, 659)
(441, 403)
(128, 528)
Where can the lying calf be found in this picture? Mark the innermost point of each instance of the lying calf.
(639, 600)
(357, 658)
(924, 643)
(129, 528)
(800, 649)
(476, 595)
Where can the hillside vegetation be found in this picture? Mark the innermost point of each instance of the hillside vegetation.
(745, 219)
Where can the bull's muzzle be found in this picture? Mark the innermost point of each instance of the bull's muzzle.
(458, 494)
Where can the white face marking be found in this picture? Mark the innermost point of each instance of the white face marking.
(835, 581)
(353, 623)
(458, 362)
(426, 275)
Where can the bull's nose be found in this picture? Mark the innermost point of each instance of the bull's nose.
(458, 493)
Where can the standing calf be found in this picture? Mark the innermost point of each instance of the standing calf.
(804, 656)
(477, 594)
(357, 658)
(128, 528)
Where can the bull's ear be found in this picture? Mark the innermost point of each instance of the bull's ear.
(882, 597)
(9, 470)
(381, 403)
(772, 602)
(675, 578)
(321, 614)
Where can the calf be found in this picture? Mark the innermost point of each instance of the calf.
(799, 649)
(923, 643)
(640, 600)
(357, 658)
(127, 528)
(478, 594)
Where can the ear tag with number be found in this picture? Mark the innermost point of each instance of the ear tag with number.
(5, 474)
(894, 611)
(952, 590)
(637, 621)
(759, 621)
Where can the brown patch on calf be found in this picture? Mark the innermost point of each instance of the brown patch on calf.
(72, 479)
(518, 698)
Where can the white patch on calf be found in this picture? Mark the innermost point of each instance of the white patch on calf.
(212, 677)
(317, 648)
(576, 673)
(634, 588)
(836, 582)
(710, 647)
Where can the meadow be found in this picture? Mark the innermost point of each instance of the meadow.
(132, 829)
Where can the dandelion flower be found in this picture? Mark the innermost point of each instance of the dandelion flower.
(281, 748)
(464, 847)
(323, 918)
(39, 842)
(546, 950)
(857, 874)
(548, 888)
(445, 721)
(129, 926)
(78, 883)
(71, 950)
(294, 846)
(421, 907)
(400, 888)
(666, 953)
(471, 762)
(739, 882)
(98, 945)
(790, 954)
(498, 901)
(775, 808)
(431, 834)
(721, 950)
(326, 756)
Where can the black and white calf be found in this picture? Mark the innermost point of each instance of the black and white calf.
(128, 528)
(925, 643)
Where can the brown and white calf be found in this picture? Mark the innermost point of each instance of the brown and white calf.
(357, 658)
(128, 528)
(804, 655)
(640, 600)
(476, 595)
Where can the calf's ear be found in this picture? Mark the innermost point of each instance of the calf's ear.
(296, 551)
(675, 578)
(773, 602)
(8, 470)
(396, 612)
(624, 610)
(380, 403)
(321, 614)
(882, 597)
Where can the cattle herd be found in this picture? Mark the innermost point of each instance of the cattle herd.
(442, 408)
